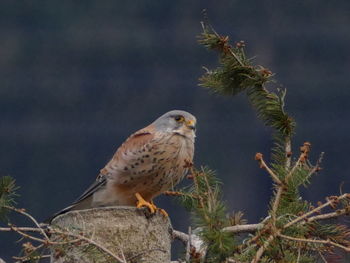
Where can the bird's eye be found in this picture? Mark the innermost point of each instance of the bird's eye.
(179, 118)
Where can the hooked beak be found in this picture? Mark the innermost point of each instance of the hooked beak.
(191, 125)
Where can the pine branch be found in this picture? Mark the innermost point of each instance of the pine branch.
(8, 194)
(61, 235)
(203, 199)
(259, 157)
(289, 213)
(262, 249)
(36, 223)
(336, 214)
(331, 201)
(248, 228)
(317, 241)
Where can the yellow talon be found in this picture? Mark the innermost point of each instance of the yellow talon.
(143, 203)
(150, 205)
(162, 211)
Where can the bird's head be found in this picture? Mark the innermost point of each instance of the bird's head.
(177, 121)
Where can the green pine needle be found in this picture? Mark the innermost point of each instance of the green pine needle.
(7, 195)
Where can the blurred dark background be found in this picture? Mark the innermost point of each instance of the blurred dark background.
(77, 77)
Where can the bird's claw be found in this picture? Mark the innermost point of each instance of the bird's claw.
(150, 205)
(163, 212)
(143, 203)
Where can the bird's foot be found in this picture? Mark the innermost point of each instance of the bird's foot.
(162, 211)
(143, 203)
(150, 205)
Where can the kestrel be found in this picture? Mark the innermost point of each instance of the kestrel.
(151, 161)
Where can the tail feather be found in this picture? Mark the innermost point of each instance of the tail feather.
(63, 211)
(83, 204)
(85, 200)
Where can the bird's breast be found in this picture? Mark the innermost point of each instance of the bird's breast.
(156, 167)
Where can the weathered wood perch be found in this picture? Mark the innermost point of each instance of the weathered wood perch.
(124, 231)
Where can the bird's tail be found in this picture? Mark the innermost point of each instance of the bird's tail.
(63, 211)
(85, 200)
(83, 204)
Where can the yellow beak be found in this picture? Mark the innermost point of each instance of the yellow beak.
(191, 124)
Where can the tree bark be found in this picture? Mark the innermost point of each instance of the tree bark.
(127, 232)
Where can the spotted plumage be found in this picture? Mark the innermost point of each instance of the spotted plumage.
(151, 161)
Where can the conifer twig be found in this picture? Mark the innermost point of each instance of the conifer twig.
(243, 228)
(222, 39)
(24, 229)
(317, 167)
(318, 241)
(305, 150)
(236, 229)
(23, 234)
(276, 204)
(21, 211)
(319, 208)
(322, 257)
(262, 249)
(259, 158)
(326, 216)
(78, 238)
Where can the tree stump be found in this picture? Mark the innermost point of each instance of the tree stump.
(127, 232)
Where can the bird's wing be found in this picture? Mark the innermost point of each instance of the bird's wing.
(134, 143)
(99, 183)
(127, 154)
(134, 156)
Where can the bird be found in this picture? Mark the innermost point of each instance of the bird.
(151, 161)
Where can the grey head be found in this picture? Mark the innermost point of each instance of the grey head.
(178, 121)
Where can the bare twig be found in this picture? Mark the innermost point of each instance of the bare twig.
(28, 236)
(195, 181)
(317, 241)
(315, 210)
(262, 249)
(183, 237)
(144, 252)
(26, 259)
(249, 228)
(88, 240)
(259, 158)
(177, 193)
(298, 258)
(21, 211)
(305, 150)
(188, 246)
(322, 257)
(122, 253)
(335, 214)
(23, 229)
(276, 204)
(288, 152)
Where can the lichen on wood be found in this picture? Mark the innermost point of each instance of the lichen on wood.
(131, 234)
